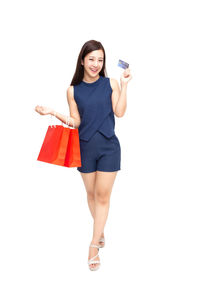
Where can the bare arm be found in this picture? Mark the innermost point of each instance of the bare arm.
(74, 113)
(119, 102)
(119, 97)
(73, 108)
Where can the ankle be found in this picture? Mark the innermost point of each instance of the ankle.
(95, 241)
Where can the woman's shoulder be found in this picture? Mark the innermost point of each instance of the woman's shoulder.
(70, 92)
(70, 88)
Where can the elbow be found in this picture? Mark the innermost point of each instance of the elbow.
(74, 122)
(77, 124)
(119, 115)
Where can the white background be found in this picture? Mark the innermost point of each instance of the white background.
(152, 232)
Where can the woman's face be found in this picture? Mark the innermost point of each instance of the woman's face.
(93, 62)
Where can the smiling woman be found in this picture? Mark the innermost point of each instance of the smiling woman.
(91, 63)
(95, 60)
(94, 100)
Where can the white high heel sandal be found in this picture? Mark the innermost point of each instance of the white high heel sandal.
(92, 261)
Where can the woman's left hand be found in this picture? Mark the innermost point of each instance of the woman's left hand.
(126, 76)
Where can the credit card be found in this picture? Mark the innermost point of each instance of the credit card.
(122, 64)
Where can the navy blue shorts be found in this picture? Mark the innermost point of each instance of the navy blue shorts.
(100, 154)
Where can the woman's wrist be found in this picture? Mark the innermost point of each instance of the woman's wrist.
(124, 85)
(53, 113)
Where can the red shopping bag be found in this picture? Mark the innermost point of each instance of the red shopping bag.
(50, 147)
(62, 149)
(58, 143)
(73, 155)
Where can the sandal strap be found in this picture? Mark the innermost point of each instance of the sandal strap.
(91, 260)
(93, 257)
(102, 240)
(94, 246)
(94, 262)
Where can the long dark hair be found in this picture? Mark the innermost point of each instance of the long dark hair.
(88, 47)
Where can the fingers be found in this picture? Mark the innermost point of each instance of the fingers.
(39, 109)
(36, 108)
(126, 73)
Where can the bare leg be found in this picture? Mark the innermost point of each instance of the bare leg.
(89, 180)
(103, 188)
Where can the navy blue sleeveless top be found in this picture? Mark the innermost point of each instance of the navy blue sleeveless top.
(95, 108)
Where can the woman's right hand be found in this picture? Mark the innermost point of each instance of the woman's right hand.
(43, 110)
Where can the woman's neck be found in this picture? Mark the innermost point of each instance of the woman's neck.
(90, 79)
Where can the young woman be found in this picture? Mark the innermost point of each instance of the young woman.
(93, 101)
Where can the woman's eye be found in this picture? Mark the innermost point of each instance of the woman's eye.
(99, 60)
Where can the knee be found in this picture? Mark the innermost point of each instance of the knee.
(102, 196)
(90, 195)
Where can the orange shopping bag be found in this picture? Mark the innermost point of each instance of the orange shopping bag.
(62, 149)
(73, 155)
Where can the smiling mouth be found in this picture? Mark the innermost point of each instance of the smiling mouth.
(94, 70)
